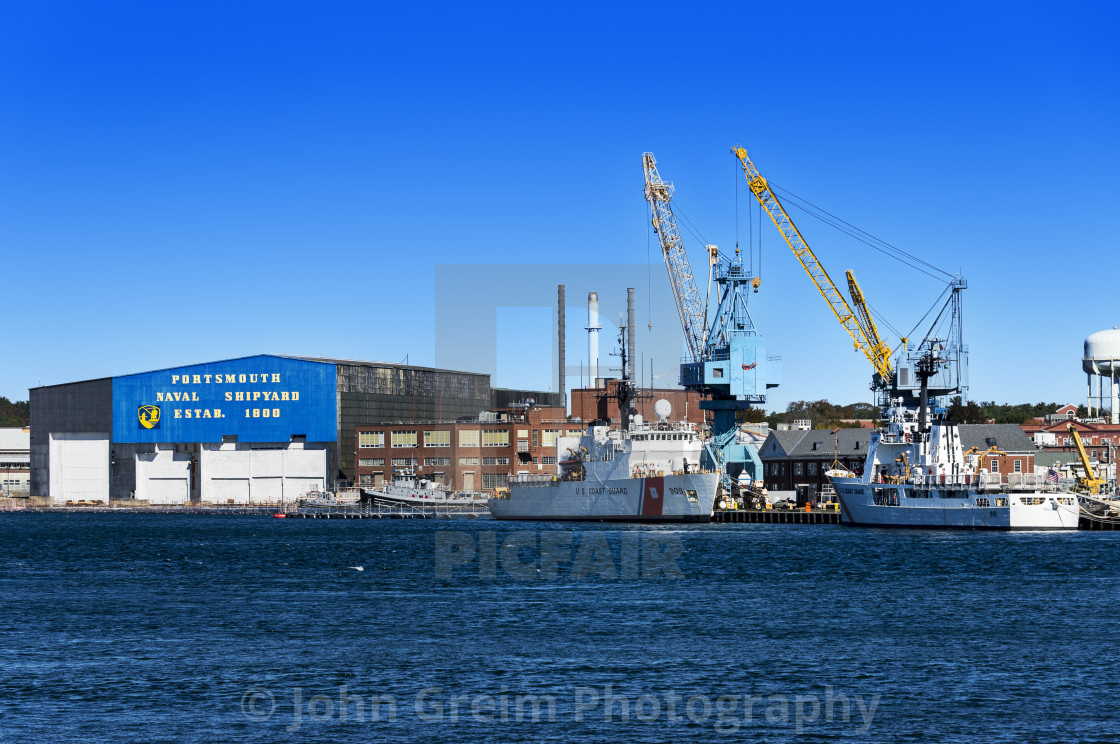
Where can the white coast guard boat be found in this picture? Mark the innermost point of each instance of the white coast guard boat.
(649, 472)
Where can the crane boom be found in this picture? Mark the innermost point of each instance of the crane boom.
(880, 352)
(689, 305)
(813, 267)
(1090, 482)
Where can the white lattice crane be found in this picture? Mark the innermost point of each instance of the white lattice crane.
(727, 361)
(692, 310)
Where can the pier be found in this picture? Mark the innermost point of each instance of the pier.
(776, 516)
(1090, 521)
(375, 510)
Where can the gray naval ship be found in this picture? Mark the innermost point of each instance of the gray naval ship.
(645, 472)
(921, 476)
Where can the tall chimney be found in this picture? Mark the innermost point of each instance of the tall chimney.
(560, 344)
(630, 333)
(593, 328)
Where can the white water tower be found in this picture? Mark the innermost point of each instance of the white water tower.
(1102, 360)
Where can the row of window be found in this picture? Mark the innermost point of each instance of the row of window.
(799, 468)
(779, 468)
(1017, 465)
(484, 460)
(490, 481)
(467, 438)
(376, 462)
(1092, 440)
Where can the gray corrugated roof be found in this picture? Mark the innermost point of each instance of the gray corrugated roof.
(783, 441)
(1055, 459)
(853, 442)
(823, 443)
(319, 360)
(15, 439)
(1008, 437)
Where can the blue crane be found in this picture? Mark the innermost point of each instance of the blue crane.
(726, 359)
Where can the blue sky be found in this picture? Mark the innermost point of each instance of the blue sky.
(185, 182)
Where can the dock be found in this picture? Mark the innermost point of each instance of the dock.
(375, 510)
(776, 516)
(1090, 521)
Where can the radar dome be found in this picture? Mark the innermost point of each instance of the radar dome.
(662, 409)
(1102, 353)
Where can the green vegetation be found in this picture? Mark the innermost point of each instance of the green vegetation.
(1002, 413)
(16, 414)
(825, 415)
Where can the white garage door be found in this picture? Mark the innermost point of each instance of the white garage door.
(226, 491)
(163, 477)
(167, 491)
(266, 490)
(296, 488)
(245, 475)
(79, 467)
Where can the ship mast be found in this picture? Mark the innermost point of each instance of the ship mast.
(625, 391)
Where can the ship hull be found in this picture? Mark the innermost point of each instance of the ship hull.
(397, 497)
(671, 498)
(882, 505)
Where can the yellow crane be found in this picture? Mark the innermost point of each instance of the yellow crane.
(857, 322)
(880, 349)
(1091, 483)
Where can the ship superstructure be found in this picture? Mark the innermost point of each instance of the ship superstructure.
(647, 472)
(408, 488)
(925, 478)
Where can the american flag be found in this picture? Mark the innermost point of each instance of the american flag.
(1052, 475)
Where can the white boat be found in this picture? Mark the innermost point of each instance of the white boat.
(649, 472)
(913, 478)
(348, 497)
(407, 488)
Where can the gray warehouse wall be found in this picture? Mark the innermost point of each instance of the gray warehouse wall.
(374, 394)
(507, 398)
(71, 408)
(368, 393)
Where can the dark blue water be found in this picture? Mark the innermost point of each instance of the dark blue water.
(164, 628)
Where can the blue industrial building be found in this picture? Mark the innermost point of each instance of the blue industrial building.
(259, 429)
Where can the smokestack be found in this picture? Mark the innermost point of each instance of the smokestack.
(630, 332)
(560, 343)
(593, 328)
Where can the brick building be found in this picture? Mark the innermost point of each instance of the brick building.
(1096, 437)
(478, 454)
(589, 404)
(1008, 438)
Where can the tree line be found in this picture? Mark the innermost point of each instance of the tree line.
(16, 414)
(822, 414)
(826, 415)
(1002, 413)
